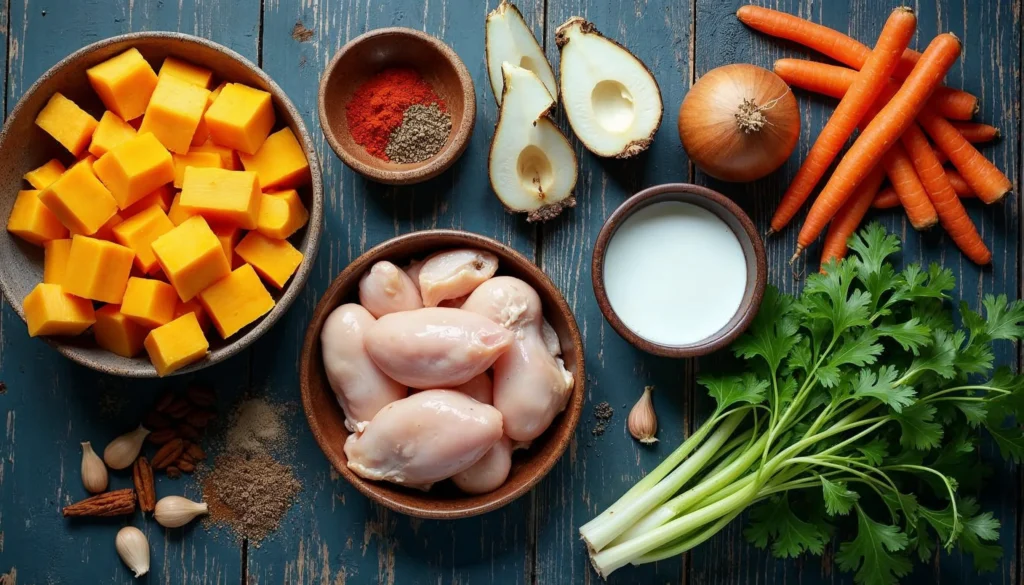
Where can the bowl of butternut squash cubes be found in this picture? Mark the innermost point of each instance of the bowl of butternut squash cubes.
(163, 202)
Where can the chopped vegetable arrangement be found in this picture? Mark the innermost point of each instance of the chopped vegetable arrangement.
(857, 406)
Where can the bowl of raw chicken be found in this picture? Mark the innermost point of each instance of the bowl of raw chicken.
(442, 374)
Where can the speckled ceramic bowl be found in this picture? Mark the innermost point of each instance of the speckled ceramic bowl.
(24, 147)
(444, 501)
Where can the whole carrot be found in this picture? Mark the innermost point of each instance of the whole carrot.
(987, 181)
(886, 198)
(960, 186)
(973, 132)
(880, 135)
(859, 98)
(849, 216)
(911, 193)
(834, 81)
(951, 212)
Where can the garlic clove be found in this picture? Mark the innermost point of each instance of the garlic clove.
(133, 548)
(642, 422)
(122, 451)
(175, 511)
(94, 472)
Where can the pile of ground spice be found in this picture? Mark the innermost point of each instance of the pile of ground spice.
(603, 412)
(396, 116)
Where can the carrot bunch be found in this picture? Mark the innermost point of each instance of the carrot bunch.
(894, 96)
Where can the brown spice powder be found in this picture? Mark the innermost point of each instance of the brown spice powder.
(250, 493)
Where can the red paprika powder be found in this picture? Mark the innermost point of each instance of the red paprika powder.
(377, 107)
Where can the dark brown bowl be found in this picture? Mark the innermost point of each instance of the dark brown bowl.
(367, 55)
(326, 419)
(746, 233)
(23, 147)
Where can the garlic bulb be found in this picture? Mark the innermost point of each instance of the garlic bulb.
(94, 472)
(133, 548)
(175, 511)
(642, 422)
(122, 451)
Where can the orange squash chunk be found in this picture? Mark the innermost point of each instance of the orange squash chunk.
(106, 231)
(228, 236)
(97, 269)
(174, 112)
(191, 256)
(281, 214)
(69, 124)
(87, 161)
(236, 301)
(110, 132)
(51, 311)
(176, 214)
(193, 159)
(116, 333)
(222, 196)
(32, 221)
(196, 309)
(139, 232)
(55, 260)
(79, 200)
(43, 176)
(279, 163)
(229, 158)
(135, 169)
(149, 302)
(124, 83)
(241, 117)
(162, 197)
(176, 344)
(186, 71)
(274, 260)
(202, 134)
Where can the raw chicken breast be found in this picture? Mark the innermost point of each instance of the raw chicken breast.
(454, 273)
(361, 388)
(479, 388)
(412, 269)
(531, 386)
(435, 347)
(489, 473)
(423, 439)
(385, 288)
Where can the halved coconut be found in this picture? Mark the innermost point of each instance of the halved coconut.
(507, 37)
(531, 164)
(611, 98)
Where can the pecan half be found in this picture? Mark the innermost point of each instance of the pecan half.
(115, 503)
(173, 472)
(189, 432)
(145, 489)
(199, 418)
(164, 401)
(162, 437)
(168, 454)
(201, 396)
(185, 466)
(196, 452)
(178, 409)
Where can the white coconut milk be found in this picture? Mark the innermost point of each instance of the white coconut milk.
(674, 273)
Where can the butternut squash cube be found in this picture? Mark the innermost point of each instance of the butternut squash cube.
(236, 301)
(41, 177)
(229, 158)
(176, 344)
(279, 163)
(186, 71)
(193, 159)
(116, 333)
(79, 200)
(124, 83)
(32, 221)
(228, 236)
(241, 117)
(174, 112)
(139, 232)
(176, 214)
(106, 231)
(281, 214)
(191, 256)
(69, 124)
(221, 195)
(51, 311)
(97, 269)
(135, 169)
(110, 132)
(87, 161)
(55, 260)
(149, 302)
(274, 260)
(162, 197)
(202, 134)
(196, 309)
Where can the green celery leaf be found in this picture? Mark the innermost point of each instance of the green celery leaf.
(800, 357)
(873, 245)
(828, 297)
(940, 355)
(920, 431)
(941, 521)
(1004, 320)
(839, 499)
(918, 285)
(875, 451)
(875, 554)
(880, 387)
(730, 390)
(1009, 439)
(979, 530)
(911, 334)
(775, 522)
(773, 332)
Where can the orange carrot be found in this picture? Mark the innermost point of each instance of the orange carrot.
(886, 198)
(960, 186)
(974, 132)
(831, 43)
(864, 90)
(909, 189)
(987, 181)
(833, 81)
(951, 212)
(849, 217)
(880, 135)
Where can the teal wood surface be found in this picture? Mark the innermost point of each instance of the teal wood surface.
(334, 535)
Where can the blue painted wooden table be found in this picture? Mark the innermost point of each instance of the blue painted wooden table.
(333, 535)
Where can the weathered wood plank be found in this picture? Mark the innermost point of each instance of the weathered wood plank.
(336, 534)
(51, 405)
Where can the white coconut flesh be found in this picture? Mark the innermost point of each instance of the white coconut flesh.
(509, 39)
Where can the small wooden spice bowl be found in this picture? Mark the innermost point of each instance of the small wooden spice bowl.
(443, 501)
(381, 49)
(750, 242)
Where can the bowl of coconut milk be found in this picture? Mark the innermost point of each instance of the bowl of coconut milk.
(679, 270)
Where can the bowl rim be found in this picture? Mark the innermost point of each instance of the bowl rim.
(314, 226)
(747, 310)
(424, 170)
(573, 409)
